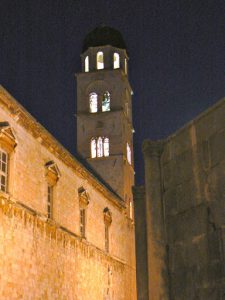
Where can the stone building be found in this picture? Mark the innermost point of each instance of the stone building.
(66, 229)
(180, 213)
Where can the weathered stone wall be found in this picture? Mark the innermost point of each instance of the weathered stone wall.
(141, 241)
(193, 177)
(185, 210)
(48, 259)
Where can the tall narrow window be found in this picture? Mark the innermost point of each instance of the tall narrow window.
(50, 202)
(100, 60)
(93, 148)
(107, 221)
(106, 237)
(106, 101)
(86, 64)
(52, 175)
(3, 170)
(125, 66)
(116, 61)
(93, 102)
(83, 203)
(99, 147)
(131, 208)
(128, 154)
(82, 221)
(106, 147)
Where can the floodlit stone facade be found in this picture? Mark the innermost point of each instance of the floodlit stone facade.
(66, 231)
(42, 252)
(180, 213)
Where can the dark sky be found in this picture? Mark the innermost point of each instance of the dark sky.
(176, 49)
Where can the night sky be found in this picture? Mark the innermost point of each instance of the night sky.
(176, 67)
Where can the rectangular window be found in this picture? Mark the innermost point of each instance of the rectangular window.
(106, 238)
(125, 65)
(128, 154)
(3, 170)
(131, 209)
(50, 202)
(82, 222)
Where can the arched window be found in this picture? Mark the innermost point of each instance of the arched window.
(86, 64)
(93, 148)
(128, 154)
(116, 61)
(99, 147)
(100, 60)
(106, 146)
(93, 102)
(106, 101)
(125, 66)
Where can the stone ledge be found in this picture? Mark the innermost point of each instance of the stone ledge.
(25, 119)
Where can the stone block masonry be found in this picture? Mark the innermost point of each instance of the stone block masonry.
(41, 260)
(45, 255)
(185, 211)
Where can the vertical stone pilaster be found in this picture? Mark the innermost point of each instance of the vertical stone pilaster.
(156, 249)
(141, 242)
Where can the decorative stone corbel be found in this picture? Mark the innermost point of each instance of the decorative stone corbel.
(7, 137)
(52, 173)
(83, 198)
(107, 216)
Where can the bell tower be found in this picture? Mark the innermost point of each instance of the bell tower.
(104, 110)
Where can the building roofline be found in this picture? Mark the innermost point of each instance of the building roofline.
(190, 123)
(26, 120)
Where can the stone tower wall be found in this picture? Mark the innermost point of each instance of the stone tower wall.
(115, 124)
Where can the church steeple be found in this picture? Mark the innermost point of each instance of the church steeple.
(104, 110)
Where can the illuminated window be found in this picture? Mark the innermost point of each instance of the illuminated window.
(3, 170)
(128, 154)
(106, 147)
(99, 147)
(131, 208)
(50, 202)
(86, 64)
(93, 102)
(116, 61)
(82, 221)
(100, 60)
(93, 148)
(125, 65)
(106, 102)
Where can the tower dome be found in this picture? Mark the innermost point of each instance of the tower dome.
(102, 36)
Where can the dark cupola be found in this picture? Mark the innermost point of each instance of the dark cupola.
(103, 36)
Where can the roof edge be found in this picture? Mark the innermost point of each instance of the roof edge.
(26, 120)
